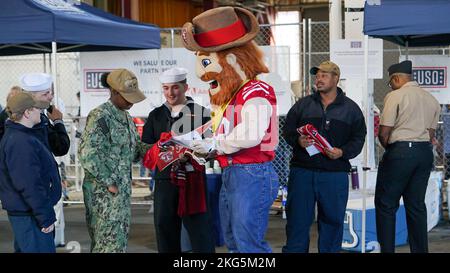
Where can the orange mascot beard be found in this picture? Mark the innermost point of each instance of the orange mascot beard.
(229, 82)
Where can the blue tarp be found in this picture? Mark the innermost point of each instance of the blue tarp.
(30, 26)
(420, 22)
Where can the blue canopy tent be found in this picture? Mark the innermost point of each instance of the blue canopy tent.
(51, 26)
(409, 23)
(30, 26)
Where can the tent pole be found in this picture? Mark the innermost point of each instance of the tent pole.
(309, 55)
(54, 74)
(304, 58)
(407, 49)
(45, 62)
(367, 109)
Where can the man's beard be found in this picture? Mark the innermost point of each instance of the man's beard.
(228, 80)
(324, 90)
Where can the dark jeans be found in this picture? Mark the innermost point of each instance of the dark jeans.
(28, 237)
(168, 223)
(403, 171)
(306, 188)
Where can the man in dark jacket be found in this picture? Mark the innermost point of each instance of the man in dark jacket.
(321, 178)
(54, 135)
(29, 180)
(53, 132)
(181, 115)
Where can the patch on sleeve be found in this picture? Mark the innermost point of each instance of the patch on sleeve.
(103, 126)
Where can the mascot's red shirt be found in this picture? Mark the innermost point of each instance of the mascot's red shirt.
(264, 151)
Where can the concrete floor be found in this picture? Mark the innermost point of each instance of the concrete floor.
(142, 236)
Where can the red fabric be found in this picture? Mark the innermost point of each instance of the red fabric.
(265, 151)
(221, 36)
(376, 123)
(320, 142)
(139, 125)
(191, 187)
(152, 156)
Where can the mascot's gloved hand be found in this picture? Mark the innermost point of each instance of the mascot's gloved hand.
(203, 146)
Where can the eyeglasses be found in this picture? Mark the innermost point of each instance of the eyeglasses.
(389, 82)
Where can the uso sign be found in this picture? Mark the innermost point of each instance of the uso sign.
(431, 77)
(431, 73)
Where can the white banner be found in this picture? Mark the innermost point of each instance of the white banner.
(431, 72)
(148, 64)
(349, 56)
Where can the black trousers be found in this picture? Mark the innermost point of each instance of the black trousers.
(168, 223)
(403, 172)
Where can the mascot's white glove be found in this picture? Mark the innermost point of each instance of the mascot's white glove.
(203, 146)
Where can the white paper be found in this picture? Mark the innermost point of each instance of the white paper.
(187, 139)
(312, 150)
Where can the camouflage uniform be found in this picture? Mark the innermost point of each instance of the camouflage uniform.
(108, 146)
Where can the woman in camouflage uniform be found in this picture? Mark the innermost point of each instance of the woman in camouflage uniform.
(109, 145)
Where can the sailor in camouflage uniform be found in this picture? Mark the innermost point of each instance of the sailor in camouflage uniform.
(109, 145)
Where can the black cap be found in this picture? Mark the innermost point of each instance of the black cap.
(403, 67)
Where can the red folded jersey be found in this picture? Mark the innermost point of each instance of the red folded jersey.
(191, 186)
(154, 157)
(319, 141)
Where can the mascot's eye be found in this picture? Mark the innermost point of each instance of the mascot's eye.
(206, 62)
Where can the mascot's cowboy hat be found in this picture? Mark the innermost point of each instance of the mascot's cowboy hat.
(220, 28)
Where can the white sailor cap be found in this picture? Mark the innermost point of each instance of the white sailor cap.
(173, 75)
(36, 82)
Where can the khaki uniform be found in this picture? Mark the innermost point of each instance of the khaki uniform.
(411, 111)
(406, 164)
(109, 145)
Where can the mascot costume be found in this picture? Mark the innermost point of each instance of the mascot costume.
(244, 122)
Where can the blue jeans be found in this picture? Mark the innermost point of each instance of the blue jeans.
(28, 237)
(151, 183)
(330, 191)
(185, 241)
(247, 193)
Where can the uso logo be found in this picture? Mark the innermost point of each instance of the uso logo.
(92, 80)
(431, 77)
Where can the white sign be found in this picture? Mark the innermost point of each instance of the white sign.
(431, 72)
(349, 56)
(148, 64)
